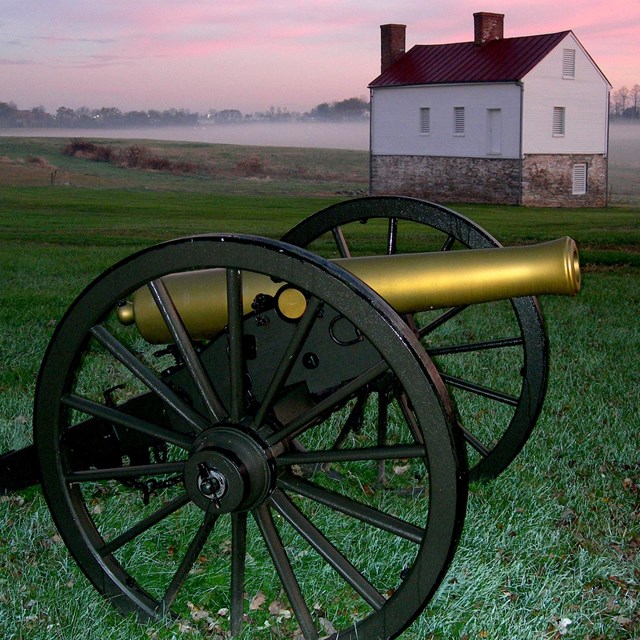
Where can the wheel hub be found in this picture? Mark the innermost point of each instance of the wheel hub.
(229, 469)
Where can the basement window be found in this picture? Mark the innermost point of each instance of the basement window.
(569, 63)
(579, 179)
(458, 121)
(425, 121)
(558, 122)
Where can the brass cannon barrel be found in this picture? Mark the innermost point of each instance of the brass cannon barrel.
(410, 283)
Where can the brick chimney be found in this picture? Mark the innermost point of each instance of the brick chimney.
(487, 27)
(393, 44)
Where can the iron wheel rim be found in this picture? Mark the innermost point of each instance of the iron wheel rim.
(492, 458)
(66, 493)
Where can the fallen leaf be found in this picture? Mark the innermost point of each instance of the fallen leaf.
(625, 622)
(368, 490)
(401, 470)
(327, 627)
(185, 627)
(509, 595)
(563, 626)
(277, 608)
(257, 601)
(198, 613)
(567, 518)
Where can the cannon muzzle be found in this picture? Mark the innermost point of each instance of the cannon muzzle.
(410, 283)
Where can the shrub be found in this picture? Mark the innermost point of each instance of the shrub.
(136, 155)
(157, 163)
(78, 148)
(103, 154)
(39, 160)
(251, 167)
(184, 166)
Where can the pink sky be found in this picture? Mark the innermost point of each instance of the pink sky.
(253, 54)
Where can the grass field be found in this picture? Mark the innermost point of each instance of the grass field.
(228, 169)
(549, 549)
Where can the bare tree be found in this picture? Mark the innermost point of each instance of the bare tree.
(635, 99)
(620, 98)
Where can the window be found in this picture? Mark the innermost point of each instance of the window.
(579, 179)
(425, 121)
(558, 121)
(458, 121)
(569, 63)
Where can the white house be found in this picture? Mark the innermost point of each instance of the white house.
(500, 120)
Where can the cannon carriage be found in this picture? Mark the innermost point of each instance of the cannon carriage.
(220, 404)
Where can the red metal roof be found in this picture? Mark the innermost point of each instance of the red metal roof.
(505, 60)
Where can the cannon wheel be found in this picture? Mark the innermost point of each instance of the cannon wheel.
(223, 498)
(496, 421)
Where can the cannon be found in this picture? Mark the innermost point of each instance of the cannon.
(220, 404)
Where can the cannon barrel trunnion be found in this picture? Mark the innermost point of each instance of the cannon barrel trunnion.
(244, 402)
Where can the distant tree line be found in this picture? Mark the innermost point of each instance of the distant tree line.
(624, 103)
(11, 116)
(83, 117)
(349, 109)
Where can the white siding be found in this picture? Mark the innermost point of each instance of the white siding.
(395, 120)
(585, 99)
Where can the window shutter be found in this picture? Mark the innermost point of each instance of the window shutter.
(558, 121)
(458, 121)
(569, 63)
(425, 120)
(579, 179)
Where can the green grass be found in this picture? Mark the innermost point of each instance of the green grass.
(554, 539)
(122, 217)
(556, 535)
(221, 168)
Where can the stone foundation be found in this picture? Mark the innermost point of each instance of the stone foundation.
(547, 181)
(540, 180)
(445, 179)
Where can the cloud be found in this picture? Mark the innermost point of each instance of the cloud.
(68, 39)
(91, 62)
(14, 62)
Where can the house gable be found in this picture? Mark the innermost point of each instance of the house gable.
(579, 89)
